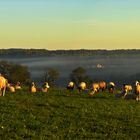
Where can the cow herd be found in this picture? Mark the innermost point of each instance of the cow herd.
(102, 85)
(4, 85)
(94, 87)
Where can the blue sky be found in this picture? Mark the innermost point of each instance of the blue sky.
(58, 24)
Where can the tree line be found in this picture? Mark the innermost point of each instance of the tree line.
(16, 72)
(81, 52)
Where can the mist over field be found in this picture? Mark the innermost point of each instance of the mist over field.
(118, 69)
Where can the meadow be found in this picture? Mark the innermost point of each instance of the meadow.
(60, 114)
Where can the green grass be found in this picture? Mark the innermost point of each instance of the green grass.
(60, 115)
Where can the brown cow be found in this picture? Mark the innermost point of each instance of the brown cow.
(102, 85)
(45, 87)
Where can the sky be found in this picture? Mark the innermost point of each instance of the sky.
(70, 24)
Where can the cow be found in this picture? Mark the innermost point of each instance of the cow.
(45, 87)
(33, 88)
(102, 85)
(82, 86)
(11, 88)
(125, 89)
(70, 86)
(95, 88)
(111, 87)
(18, 86)
(137, 90)
(3, 83)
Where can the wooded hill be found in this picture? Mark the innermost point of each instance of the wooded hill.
(82, 52)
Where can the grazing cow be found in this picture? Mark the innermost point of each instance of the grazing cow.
(33, 88)
(3, 83)
(126, 89)
(137, 90)
(95, 88)
(18, 86)
(102, 85)
(70, 86)
(111, 87)
(11, 88)
(82, 86)
(45, 87)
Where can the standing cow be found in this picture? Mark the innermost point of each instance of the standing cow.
(137, 90)
(82, 86)
(102, 85)
(126, 89)
(3, 83)
(33, 88)
(95, 88)
(70, 86)
(111, 87)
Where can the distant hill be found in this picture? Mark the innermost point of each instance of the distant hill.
(82, 52)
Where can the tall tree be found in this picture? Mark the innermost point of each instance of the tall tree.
(51, 75)
(78, 75)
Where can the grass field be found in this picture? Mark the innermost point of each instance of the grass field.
(61, 115)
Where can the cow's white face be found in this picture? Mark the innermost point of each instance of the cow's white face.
(137, 83)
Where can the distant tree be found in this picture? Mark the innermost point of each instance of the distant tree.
(19, 73)
(5, 68)
(78, 75)
(14, 72)
(51, 75)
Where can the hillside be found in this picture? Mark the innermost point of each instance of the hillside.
(63, 115)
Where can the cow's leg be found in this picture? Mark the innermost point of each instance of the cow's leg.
(3, 92)
(139, 97)
(0, 92)
(125, 95)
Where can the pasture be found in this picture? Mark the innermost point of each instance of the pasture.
(60, 114)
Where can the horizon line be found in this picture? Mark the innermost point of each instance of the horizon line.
(65, 49)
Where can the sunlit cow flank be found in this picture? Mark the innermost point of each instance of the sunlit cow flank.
(11, 88)
(45, 87)
(3, 83)
(95, 88)
(33, 88)
(137, 90)
(70, 86)
(18, 86)
(126, 89)
(82, 86)
(111, 87)
(102, 85)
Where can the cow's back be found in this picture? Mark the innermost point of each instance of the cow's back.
(95, 86)
(102, 85)
(2, 82)
(138, 89)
